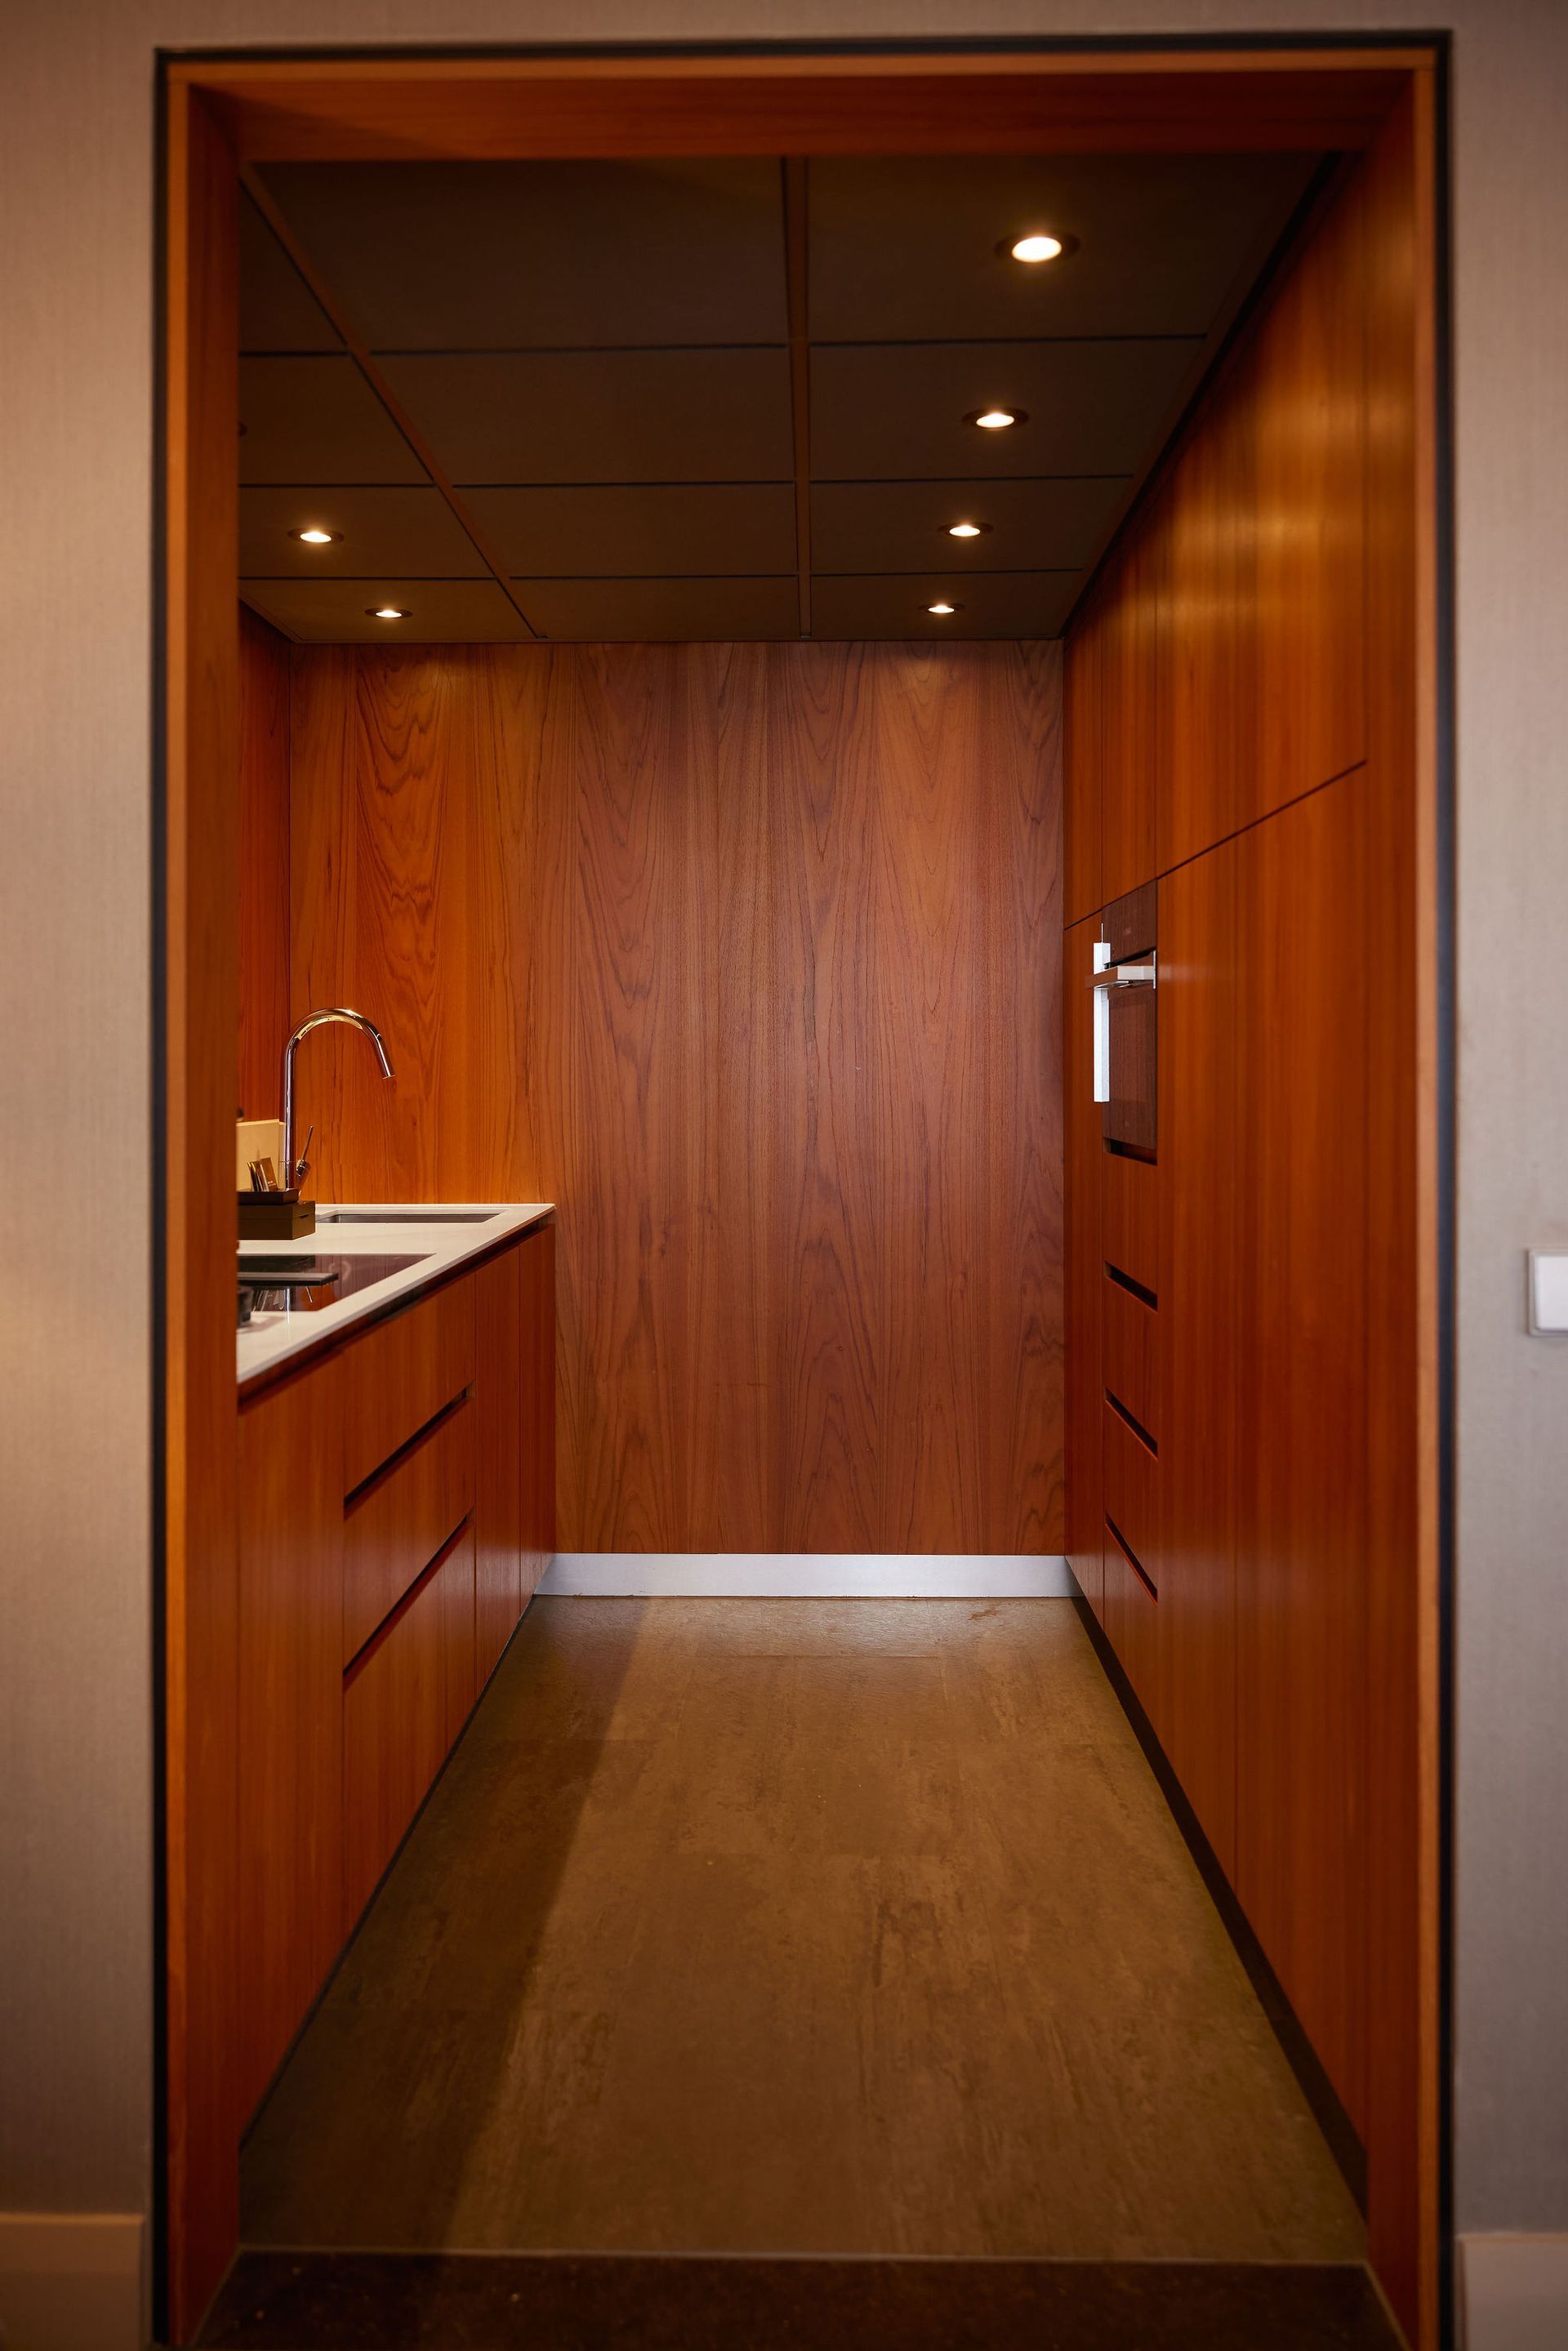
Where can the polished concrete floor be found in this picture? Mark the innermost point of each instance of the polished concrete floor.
(797, 1927)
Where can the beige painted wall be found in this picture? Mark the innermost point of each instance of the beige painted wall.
(76, 425)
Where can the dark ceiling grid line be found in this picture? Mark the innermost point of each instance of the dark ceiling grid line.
(260, 194)
(797, 256)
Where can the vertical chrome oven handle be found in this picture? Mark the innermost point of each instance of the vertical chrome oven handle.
(1101, 1022)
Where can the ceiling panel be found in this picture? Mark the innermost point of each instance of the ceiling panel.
(647, 611)
(278, 311)
(884, 412)
(902, 526)
(604, 416)
(410, 531)
(659, 529)
(906, 246)
(317, 420)
(333, 612)
(992, 604)
(523, 256)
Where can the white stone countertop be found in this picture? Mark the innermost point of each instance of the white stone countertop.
(377, 1229)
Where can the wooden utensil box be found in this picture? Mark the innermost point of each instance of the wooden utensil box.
(275, 1217)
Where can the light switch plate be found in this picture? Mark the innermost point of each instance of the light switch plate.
(1548, 1292)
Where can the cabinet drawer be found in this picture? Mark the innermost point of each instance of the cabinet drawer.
(394, 1739)
(393, 1529)
(1133, 1494)
(399, 1376)
(1129, 1331)
(1129, 1205)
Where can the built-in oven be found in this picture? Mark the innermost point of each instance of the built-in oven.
(1125, 1022)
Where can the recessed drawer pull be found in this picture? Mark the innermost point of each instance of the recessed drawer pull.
(1131, 1556)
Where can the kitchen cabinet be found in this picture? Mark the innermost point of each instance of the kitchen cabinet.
(1082, 763)
(1134, 736)
(397, 1507)
(1084, 1275)
(1310, 1121)
(1198, 1337)
(291, 1884)
(505, 1434)
(537, 1318)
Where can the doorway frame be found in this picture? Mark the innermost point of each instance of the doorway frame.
(221, 111)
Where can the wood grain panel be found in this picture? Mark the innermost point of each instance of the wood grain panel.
(1130, 1225)
(394, 1733)
(746, 956)
(1133, 1365)
(538, 1326)
(395, 109)
(1132, 1620)
(502, 1452)
(1297, 1244)
(1209, 684)
(459, 1634)
(1083, 763)
(403, 1372)
(1306, 385)
(398, 1523)
(1198, 1339)
(200, 1088)
(1133, 736)
(1306, 900)
(1403, 2118)
(264, 918)
(289, 1911)
(1084, 1510)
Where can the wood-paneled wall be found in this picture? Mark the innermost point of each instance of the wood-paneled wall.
(749, 958)
(263, 658)
(1250, 695)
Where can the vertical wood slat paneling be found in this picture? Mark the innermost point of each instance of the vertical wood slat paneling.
(747, 956)
(264, 917)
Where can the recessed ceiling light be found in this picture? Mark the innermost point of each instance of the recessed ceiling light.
(996, 419)
(967, 529)
(314, 535)
(1037, 245)
(942, 611)
(387, 612)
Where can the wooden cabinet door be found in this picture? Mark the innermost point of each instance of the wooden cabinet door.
(1199, 1213)
(459, 1636)
(537, 1267)
(1083, 751)
(1135, 733)
(1302, 570)
(394, 1706)
(1308, 904)
(1085, 1494)
(291, 1877)
(499, 1404)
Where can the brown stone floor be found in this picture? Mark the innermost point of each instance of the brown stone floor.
(797, 1927)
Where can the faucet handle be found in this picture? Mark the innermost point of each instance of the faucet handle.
(302, 1165)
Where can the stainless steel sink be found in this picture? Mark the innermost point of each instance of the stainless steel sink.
(405, 1217)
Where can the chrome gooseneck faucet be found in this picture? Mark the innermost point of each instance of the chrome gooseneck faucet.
(294, 1172)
